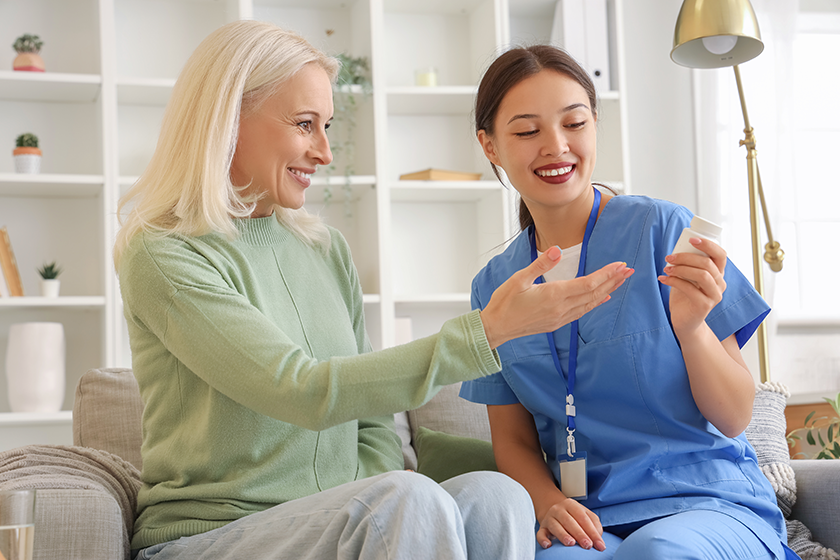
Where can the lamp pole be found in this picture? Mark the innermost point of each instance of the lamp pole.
(773, 252)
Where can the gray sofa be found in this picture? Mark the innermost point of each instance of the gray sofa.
(90, 522)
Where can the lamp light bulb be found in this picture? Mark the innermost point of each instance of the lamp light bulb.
(720, 44)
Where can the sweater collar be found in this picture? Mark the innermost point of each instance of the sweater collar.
(261, 231)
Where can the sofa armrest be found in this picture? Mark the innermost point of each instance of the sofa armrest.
(818, 499)
(78, 525)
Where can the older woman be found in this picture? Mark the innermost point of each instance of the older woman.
(268, 428)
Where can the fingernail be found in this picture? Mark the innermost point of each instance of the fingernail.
(545, 544)
(569, 541)
(600, 545)
(554, 252)
(668, 269)
(669, 258)
(695, 241)
(587, 544)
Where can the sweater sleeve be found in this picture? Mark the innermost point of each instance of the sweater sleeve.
(380, 448)
(176, 296)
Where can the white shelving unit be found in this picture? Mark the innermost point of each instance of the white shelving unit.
(98, 109)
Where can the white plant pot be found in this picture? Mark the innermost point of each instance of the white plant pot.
(50, 288)
(35, 367)
(27, 163)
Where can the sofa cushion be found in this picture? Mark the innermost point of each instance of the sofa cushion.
(107, 413)
(443, 456)
(447, 412)
(404, 432)
(766, 433)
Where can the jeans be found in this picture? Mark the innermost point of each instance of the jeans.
(396, 515)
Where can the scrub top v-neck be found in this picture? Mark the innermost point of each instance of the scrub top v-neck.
(650, 451)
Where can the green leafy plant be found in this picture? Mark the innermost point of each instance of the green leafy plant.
(27, 43)
(49, 271)
(26, 140)
(828, 447)
(354, 71)
(353, 79)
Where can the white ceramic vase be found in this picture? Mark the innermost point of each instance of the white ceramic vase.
(35, 367)
(50, 287)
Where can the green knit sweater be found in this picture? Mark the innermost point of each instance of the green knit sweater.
(252, 361)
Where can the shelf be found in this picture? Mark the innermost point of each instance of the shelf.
(438, 100)
(19, 419)
(308, 4)
(341, 180)
(49, 86)
(77, 302)
(359, 184)
(443, 191)
(144, 91)
(50, 185)
(432, 299)
(448, 7)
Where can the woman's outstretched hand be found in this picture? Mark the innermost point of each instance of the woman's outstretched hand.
(521, 308)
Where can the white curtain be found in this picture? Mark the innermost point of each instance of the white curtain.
(723, 194)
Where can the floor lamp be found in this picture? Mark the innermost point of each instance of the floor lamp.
(717, 34)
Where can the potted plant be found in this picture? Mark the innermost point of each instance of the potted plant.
(28, 60)
(27, 154)
(828, 447)
(49, 279)
(353, 79)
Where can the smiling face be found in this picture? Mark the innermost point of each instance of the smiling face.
(284, 140)
(544, 138)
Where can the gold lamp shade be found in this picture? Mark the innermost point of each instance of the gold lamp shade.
(716, 33)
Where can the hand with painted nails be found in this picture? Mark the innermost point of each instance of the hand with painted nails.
(572, 524)
(696, 282)
(521, 308)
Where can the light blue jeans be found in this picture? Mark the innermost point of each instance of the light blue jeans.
(396, 515)
(690, 535)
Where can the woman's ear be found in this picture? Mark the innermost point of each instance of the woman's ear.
(489, 148)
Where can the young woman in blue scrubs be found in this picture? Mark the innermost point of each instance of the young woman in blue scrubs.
(626, 427)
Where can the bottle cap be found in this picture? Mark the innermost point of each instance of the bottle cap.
(706, 227)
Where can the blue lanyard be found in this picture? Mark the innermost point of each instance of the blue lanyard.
(573, 341)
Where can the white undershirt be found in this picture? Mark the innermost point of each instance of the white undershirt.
(567, 268)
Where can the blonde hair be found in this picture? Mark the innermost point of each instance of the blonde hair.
(186, 188)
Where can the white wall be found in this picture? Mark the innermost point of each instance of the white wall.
(662, 163)
(659, 104)
(660, 114)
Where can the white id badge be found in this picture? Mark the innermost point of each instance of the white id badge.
(573, 476)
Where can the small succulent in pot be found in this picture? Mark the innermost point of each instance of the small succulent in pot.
(50, 271)
(27, 154)
(28, 60)
(50, 284)
(26, 140)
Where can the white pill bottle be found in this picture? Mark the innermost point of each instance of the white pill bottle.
(701, 228)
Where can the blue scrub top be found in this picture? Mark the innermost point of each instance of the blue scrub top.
(650, 452)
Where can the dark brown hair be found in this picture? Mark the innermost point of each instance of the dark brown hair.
(511, 68)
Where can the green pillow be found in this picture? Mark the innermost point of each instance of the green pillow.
(441, 456)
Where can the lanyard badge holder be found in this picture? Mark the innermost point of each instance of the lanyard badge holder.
(573, 483)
